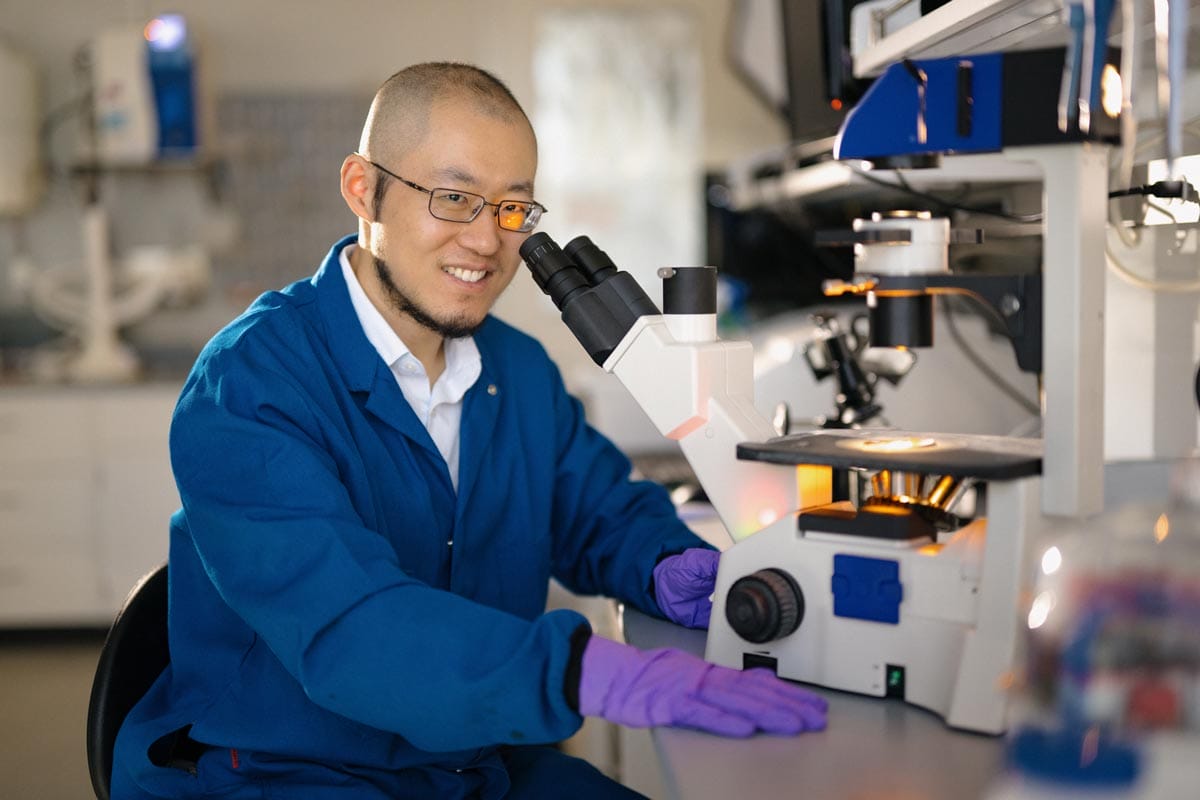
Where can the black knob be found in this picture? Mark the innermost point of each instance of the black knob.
(765, 606)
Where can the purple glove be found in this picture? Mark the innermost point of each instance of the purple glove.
(683, 586)
(669, 687)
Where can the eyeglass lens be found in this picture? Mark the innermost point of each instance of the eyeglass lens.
(455, 206)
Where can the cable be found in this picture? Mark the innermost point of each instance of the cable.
(1170, 190)
(903, 185)
(1129, 276)
(996, 379)
(1132, 151)
(1162, 210)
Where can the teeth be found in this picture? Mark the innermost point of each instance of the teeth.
(468, 275)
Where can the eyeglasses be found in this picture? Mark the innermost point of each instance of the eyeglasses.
(453, 205)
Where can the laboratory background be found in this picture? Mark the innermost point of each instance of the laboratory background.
(941, 392)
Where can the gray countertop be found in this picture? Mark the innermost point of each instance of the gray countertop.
(873, 748)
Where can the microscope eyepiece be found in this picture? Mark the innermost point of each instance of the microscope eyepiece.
(593, 261)
(598, 302)
(553, 271)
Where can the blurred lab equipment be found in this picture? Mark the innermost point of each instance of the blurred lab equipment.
(112, 293)
(146, 102)
(840, 352)
(21, 180)
(1109, 698)
(145, 114)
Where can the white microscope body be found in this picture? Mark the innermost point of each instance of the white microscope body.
(931, 618)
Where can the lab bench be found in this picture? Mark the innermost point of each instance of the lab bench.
(872, 749)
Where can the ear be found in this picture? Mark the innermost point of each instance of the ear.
(358, 187)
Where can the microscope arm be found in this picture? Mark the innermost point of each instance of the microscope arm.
(700, 393)
(696, 390)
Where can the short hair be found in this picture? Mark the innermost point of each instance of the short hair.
(399, 116)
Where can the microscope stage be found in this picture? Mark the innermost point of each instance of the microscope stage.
(953, 454)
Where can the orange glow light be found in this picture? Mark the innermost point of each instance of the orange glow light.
(835, 104)
(814, 485)
(900, 445)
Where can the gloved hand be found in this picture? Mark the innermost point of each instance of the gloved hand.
(683, 586)
(669, 687)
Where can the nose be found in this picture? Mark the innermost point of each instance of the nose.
(481, 235)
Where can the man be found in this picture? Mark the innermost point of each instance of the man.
(378, 480)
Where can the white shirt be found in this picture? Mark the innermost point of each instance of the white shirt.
(438, 407)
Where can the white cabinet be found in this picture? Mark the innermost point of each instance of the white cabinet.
(85, 496)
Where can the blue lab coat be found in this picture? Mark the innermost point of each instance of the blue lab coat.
(334, 600)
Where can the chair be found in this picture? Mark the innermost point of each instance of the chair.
(134, 655)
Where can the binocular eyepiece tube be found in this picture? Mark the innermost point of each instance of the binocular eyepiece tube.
(599, 303)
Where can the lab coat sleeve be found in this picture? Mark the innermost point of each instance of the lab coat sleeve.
(281, 542)
(611, 531)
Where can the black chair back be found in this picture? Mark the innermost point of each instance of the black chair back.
(134, 655)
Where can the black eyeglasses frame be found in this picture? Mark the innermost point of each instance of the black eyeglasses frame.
(536, 209)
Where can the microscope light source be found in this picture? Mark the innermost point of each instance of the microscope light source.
(901, 445)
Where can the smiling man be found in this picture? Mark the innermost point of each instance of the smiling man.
(378, 481)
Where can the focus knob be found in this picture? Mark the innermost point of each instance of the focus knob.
(765, 606)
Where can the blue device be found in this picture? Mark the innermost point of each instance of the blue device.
(917, 111)
(171, 62)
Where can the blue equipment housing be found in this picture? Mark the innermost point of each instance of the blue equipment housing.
(171, 61)
(919, 110)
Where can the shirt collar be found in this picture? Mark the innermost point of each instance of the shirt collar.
(391, 348)
(462, 355)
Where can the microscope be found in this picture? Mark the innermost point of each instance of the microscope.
(896, 597)
(912, 589)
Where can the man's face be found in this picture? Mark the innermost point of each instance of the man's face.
(447, 275)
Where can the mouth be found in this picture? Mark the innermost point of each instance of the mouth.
(466, 275)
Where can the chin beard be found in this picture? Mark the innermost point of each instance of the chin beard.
(449, 328)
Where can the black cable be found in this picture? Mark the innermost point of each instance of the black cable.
(996, 379)
(903, 185)
(1173, 190)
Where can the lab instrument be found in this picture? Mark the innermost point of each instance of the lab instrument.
(897, 597)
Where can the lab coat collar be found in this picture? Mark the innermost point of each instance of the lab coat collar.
(356, 358)
(364, 371)
(353, 352)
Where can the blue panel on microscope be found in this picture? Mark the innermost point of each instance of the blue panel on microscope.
(957, 109)
(866, 588)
